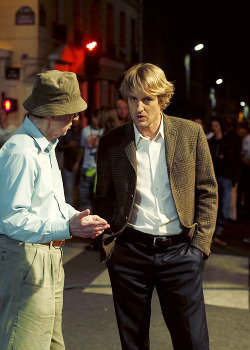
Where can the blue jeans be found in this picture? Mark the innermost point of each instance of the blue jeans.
(224, 190)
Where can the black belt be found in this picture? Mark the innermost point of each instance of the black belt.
(130, 234)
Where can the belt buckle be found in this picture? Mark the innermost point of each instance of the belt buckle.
(154, 241)
(162, 239)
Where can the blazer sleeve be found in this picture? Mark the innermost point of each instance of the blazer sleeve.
(104, 201)
(206, 196)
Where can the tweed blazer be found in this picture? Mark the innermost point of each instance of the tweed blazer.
(191, 176)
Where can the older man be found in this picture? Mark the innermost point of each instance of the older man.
(35, 220)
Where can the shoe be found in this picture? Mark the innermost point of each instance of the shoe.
(219, 242)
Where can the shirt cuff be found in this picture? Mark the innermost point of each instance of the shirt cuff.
(60, 229)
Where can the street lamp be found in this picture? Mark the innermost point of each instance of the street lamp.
(198, 47)
(187, 60)
(219, 81)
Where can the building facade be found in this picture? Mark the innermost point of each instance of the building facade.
(52, 34)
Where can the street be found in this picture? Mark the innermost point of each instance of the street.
(89, 319)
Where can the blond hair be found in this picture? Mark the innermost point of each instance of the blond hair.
(149, 79)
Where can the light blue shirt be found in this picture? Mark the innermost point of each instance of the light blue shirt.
(32, 203)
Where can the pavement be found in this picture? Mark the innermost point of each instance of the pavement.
(89, 319)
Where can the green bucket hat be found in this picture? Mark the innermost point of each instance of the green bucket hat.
(55, 93)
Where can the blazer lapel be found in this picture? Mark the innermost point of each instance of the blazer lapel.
(170, 134)
(129, 144)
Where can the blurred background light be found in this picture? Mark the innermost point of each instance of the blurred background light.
(219, 81)
(198, 47)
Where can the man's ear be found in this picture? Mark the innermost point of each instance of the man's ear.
(52, 118)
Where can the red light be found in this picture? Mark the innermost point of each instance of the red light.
(7, 105)
(91, 46)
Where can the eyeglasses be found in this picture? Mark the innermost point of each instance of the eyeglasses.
(70, 117)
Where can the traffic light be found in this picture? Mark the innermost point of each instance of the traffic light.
(9, 104)
(92, 57)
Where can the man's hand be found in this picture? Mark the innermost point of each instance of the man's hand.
(87, 226)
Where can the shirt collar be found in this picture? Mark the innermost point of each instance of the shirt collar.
(138, 135)
(36, 134)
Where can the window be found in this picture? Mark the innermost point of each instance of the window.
(42, 16)
(95, 25)
(134, 55)
(122, 29)
(110, 30)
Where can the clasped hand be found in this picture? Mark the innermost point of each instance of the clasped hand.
(85, 225)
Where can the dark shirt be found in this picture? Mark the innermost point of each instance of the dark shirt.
(226, 155)
(70, 154)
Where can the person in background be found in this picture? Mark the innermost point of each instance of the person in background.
(225, 160)
(6, 129)
(230, 125)
(107, 118)
(245, 176)
(200, 121)
(121, 107)
(69, 144)
(157, 189)
(87, 152)
(35, 219)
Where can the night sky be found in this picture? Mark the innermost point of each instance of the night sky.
(172, 29)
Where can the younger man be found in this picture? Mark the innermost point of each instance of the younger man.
(156, 186)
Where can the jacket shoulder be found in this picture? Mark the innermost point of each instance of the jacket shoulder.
(182, 123)
(118, 134)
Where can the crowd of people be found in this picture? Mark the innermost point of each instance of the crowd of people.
(229, 143)
(228, 139)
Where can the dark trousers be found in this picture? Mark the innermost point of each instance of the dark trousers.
(135, 268)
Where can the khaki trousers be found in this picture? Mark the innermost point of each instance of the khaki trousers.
(31, 296)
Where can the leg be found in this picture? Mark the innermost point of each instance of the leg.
(130, 271)
(224, 189)
(27, 295)
(57, 342)
(85, 191)
(68, 183)
(179, 286)
(233, 203)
